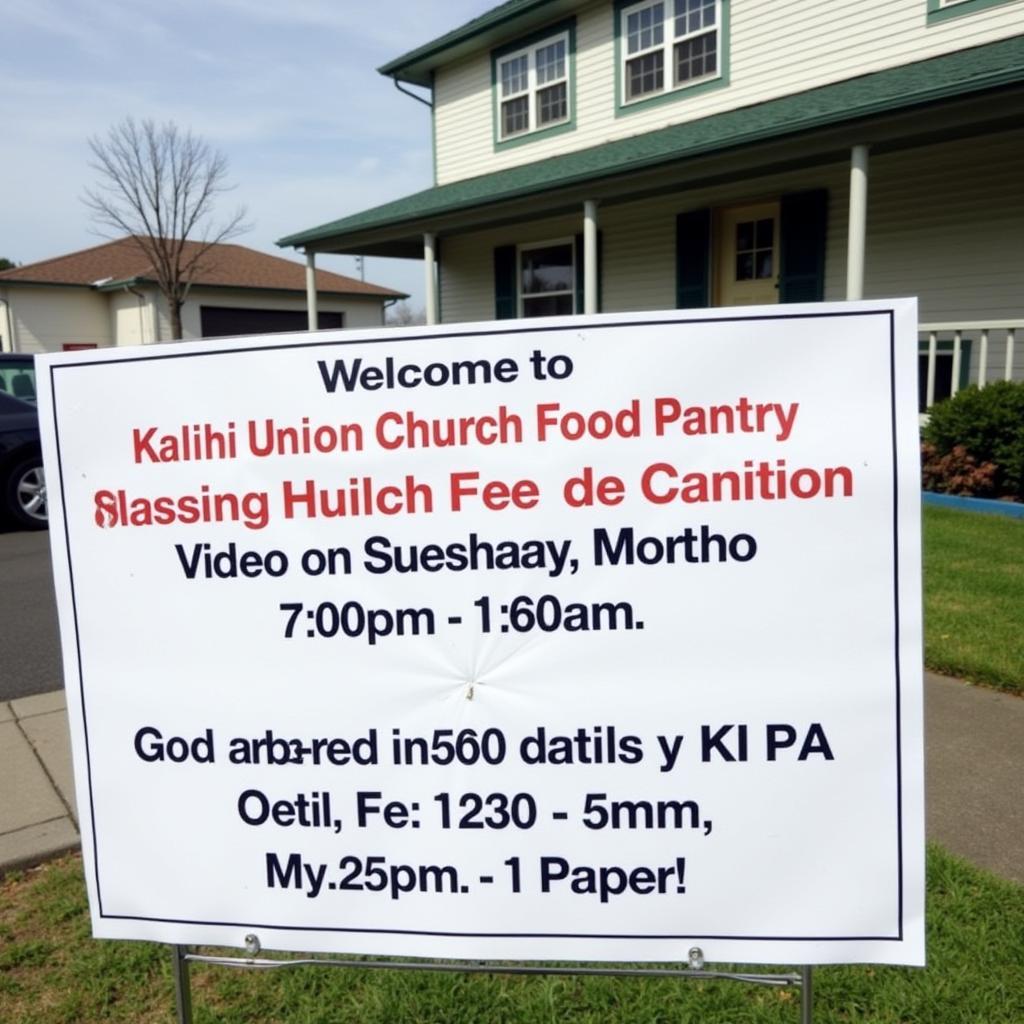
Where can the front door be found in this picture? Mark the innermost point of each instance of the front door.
(748, 262)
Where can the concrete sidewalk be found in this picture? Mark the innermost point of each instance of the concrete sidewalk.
(37, 793)
(974, 769)
(974, 751)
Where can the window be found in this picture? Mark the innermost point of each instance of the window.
(533, 87)
(18, 376)
(747, 243)
(547, 279)
(669, 45)
(755, 249)
(541, 278)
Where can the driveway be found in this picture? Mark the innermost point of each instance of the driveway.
(30, 661)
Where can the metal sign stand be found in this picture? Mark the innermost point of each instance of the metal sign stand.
(183, 993)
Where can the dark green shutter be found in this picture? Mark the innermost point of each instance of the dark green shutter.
(579, 272)
(506, 305)
(693, 259)
(804, 221)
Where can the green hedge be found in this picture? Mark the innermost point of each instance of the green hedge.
(988, 423)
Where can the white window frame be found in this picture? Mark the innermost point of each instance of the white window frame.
(533, 88)
(522, 296)
(667, 49)
(941, 11)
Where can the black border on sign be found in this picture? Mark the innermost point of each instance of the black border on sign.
(514, 329)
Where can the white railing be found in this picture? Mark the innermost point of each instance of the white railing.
(993, 359)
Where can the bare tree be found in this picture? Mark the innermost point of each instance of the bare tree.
(160, 184)
(403, 315)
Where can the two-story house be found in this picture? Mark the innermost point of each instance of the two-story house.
(621, 155)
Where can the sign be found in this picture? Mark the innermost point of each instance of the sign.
(592, 638)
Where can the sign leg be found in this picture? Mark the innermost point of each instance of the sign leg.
(806, 995)
(182, 989)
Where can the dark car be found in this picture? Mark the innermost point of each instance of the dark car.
(22, 483)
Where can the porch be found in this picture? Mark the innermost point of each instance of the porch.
(952, 356)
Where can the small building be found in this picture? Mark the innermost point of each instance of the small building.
(108, 296)
(626, 155)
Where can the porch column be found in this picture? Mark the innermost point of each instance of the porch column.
(589, 257)
(313, 319)
(430, 276)
(857, 237)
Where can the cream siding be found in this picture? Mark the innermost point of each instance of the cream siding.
(162, 319)
(358, 312)
(132, 317)
(945, 223)
(822, 43)
(47, 318)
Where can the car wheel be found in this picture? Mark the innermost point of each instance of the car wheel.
(26, 494)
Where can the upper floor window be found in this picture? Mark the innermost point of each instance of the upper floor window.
(668, 45)
(533, 89)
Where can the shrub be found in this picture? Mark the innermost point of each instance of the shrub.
(957, 472)
(988, 423)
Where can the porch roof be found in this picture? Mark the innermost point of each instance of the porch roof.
(390, 229)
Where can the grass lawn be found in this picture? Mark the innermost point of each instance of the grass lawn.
(974, 596)
(51, 972)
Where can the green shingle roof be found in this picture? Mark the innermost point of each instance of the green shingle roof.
(414, 66)
(957, 74)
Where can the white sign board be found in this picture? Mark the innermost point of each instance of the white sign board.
(595, 640)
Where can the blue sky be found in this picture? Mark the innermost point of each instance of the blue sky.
(287, 89)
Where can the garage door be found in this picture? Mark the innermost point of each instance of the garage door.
(221, 321)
